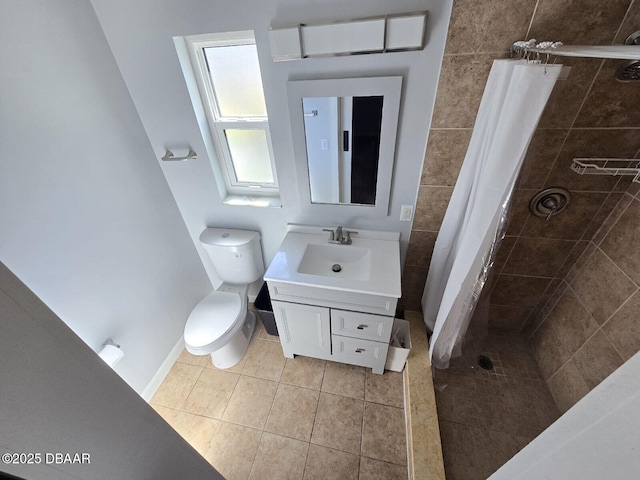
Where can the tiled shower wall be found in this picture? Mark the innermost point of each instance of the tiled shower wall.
(590, 325)
(589, 114)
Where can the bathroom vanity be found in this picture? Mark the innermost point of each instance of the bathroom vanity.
(336, 301)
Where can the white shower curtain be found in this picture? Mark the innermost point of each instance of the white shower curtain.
(513, 100)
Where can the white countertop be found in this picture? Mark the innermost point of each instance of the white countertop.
(385, 261)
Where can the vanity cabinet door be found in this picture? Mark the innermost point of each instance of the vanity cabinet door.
(303, 329)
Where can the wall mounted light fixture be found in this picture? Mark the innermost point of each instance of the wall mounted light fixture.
(391, 33)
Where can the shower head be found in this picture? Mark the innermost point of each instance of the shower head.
(630, 71)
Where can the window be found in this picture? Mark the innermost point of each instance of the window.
(230, 86)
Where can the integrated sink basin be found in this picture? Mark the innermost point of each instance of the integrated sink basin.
(370, 265)
(337, 261)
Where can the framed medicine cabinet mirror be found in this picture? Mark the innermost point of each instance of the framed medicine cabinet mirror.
(344, 137)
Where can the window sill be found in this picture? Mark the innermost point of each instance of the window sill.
(253, 201)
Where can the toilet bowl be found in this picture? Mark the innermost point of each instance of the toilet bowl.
(220, 325)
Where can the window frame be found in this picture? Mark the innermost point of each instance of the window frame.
(217, 123)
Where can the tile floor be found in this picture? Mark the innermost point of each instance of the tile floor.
(486, 417)
(275, 418)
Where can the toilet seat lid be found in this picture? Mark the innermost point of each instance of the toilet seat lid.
(214, 316)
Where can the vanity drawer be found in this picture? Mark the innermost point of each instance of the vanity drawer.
(361, 325)
(357, 351)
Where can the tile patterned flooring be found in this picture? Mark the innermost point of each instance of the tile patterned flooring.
(486, 417)
(273, 418)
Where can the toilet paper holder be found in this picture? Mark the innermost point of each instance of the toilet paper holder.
(111, 353)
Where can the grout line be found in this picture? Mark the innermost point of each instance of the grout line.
(533, 16)
(618, 184)
(584, 100)
(566, 257)
(315, 415)
(266, 420)
(192, 387)
(253, 463)
(596, 128)
(506, 261)
(605, 333)
(626, 15)
(546, 238)
(584, 256)
(575, 247)
(544, 320)
(306, 459)
(512, 200)
(528, 276)
(232, 392)
(593, 219)
(592, 335)
(505, 305)
(575, 294)
(364, 405)
(616, 265)
(477, 54)
(532, 311)
(599, 329)
(555, 160)
(603, 223)
(613, 224)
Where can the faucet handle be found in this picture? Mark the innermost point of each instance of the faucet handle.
(332, 233)
(349, 233)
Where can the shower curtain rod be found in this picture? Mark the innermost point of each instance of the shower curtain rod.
(619, 52)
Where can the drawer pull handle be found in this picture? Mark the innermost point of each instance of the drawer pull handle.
(362, 327)
(359, 350)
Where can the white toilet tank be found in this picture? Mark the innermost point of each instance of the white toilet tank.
(236, 254)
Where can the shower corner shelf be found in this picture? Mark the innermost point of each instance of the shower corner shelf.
(607, 166)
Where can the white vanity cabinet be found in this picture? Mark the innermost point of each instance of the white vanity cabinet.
(336, 299)
(321, 327)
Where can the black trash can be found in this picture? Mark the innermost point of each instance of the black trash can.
(265, 310)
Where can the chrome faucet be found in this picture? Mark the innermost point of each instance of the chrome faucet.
(339, 237)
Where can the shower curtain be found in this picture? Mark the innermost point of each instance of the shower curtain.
(514, 97)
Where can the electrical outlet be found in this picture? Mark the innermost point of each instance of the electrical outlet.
(406, 213)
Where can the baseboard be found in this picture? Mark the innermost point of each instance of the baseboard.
(162, 372)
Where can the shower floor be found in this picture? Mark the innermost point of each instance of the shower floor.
(487, 416)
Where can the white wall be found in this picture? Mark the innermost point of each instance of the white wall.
(87, 220)
(57, 396)
(140, 36)
(596, 439)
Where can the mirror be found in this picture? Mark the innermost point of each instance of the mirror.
(344, 140)
(342, 136)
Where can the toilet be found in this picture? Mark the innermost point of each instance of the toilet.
(220, 325)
